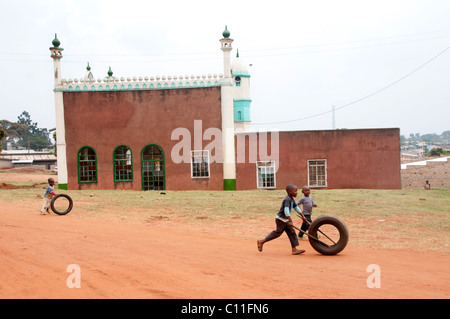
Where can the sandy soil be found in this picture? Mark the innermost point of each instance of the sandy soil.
(165, 259)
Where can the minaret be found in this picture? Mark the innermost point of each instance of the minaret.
(56, 55)
(228, 151)
(241, 94)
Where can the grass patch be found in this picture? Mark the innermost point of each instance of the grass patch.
(412, 219)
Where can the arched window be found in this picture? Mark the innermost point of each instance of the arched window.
(153, 168)
(87, 165)
(238, 80)
(123, 164)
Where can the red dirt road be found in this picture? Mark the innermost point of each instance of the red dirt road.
(165, 259)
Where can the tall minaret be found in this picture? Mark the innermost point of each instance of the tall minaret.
(229, 159)
(56, 55)
(241, 94)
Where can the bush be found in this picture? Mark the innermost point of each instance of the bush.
(436, 151)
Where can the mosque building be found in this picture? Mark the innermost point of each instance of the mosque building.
(192, 132)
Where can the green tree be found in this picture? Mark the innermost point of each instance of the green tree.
(430, 138)
(13, 131)
(3, 135)
(33, 137)
(403, 140)
(25, 133)
(445, 135)
(55, 149)
(436, 151)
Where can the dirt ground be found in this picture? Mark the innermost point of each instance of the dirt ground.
(165, 259)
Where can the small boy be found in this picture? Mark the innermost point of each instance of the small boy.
(284, 222)
(307, 203)
(49, 193)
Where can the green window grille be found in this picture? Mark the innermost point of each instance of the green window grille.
(87, 165)
(152, 168)
(123, 164)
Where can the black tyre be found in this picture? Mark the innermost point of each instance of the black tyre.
(332, 233)
(61, 204)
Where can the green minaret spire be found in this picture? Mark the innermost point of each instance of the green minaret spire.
(56, 42)
(110, 73)
(226, 33)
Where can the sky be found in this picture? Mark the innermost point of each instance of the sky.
(379, 64)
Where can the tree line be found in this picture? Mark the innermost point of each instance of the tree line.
(432, 138)
(24, 134)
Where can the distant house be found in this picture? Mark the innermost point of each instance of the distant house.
(20, 158)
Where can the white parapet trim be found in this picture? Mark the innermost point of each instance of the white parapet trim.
(139, 83)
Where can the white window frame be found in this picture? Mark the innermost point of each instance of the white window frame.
(315, 182)
(266, 165)
(202, 154)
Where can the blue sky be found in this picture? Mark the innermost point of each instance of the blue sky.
(379, 63)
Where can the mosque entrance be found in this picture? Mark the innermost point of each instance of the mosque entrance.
(152, 168)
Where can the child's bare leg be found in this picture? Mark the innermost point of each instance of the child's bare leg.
(272, 235)
(294, 241)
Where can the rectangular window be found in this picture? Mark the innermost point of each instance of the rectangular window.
(87, 165)
(317, 173)
(265, 174)
(200, 164)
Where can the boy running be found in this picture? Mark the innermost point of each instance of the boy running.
(284, 222)
(307, 203)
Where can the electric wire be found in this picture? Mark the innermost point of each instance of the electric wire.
(267, 51)
(362, 98)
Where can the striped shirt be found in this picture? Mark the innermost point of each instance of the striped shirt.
(286, 207)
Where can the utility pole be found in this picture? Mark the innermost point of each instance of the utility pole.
(333, 124)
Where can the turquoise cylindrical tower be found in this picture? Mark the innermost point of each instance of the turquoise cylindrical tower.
(241, 93)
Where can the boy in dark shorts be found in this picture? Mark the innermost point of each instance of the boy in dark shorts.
(284, 222)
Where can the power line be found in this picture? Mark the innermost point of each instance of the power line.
(256, 54)
(364, 40)
(360, 99)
